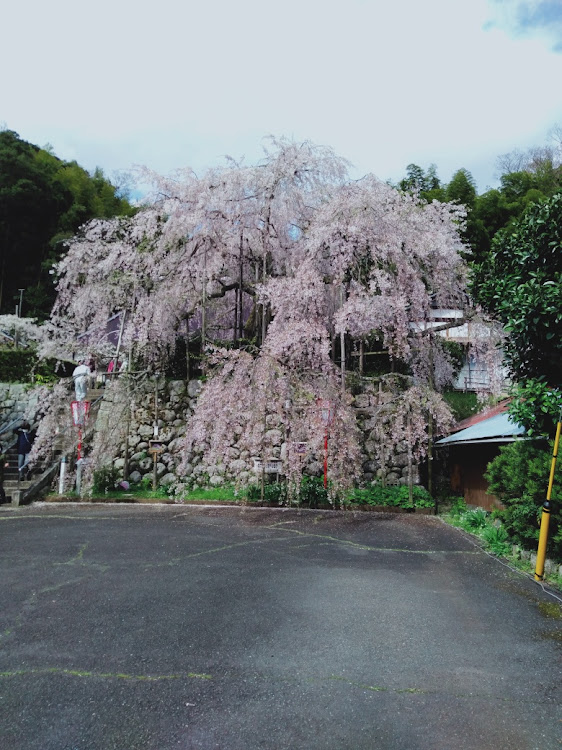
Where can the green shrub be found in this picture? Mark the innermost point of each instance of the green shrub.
(23, 366)
(105, 479)
(312, 492)
(519, 478)
(458, 507)
(16, 365)
(273, 494)
(146, 482)
(497, 539)
(394, 496)
(473, 520)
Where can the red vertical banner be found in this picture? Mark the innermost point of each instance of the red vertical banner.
(80, 411)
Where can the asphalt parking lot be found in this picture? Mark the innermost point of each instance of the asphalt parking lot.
(160, 627)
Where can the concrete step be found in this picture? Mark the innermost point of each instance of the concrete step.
(94, 393)
(10, 485)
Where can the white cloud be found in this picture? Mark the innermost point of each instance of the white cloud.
(171, 84)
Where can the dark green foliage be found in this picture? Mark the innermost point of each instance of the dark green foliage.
(427, 184)
(520, 283)
(456, 353)
(23, 366)
(458, 507)
(176, 363)
(43, 201)
(536, 405)
(519, 478)
(479, 523)
(105, 479)
(462, 189)
(380, 363)
(523, 287)
(16, 365)
(398, 497)
(312, 492)
(463, 404)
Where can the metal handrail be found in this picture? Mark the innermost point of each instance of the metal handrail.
(9, 427)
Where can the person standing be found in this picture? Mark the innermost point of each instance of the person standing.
(81, 377)
(25, 441)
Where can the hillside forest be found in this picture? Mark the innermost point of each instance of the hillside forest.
(43, 202)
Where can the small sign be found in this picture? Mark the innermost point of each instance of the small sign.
(301, 448)
(272, 466)
(327, 411)
(155, 447)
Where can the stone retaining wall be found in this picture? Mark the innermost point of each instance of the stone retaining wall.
(176, 403)
(17, 402)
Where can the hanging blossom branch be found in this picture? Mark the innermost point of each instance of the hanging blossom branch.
(405, 420)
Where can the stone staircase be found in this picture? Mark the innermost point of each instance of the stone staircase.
(14, 484)
(22, 487)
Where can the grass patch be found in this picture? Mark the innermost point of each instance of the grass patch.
(463, 404)
(226, 493)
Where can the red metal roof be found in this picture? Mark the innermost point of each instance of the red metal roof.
(481, 416)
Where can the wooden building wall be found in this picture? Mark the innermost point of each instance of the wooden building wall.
(468, 464)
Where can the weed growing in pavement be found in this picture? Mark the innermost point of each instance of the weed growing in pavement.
(497, 540)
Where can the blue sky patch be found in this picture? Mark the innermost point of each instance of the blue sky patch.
(530, 18)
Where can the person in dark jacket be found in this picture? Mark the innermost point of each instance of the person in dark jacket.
(25, 441)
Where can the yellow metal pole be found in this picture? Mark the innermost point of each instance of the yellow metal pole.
(545, 516)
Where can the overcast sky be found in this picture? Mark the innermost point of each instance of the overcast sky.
(176, 83)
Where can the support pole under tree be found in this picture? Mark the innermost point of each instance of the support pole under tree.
(361, 357)
(326, 459)
(430, 427)
(240, 291)
(204, 312)
(187, 359)
(155, 452)
(116, 358)
(264, 306)
(410, 461)
(342, 343)
(80, 411)
(326, 409)
(127, 429)
(546, 508)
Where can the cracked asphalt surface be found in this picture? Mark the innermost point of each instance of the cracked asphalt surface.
(160, 627)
